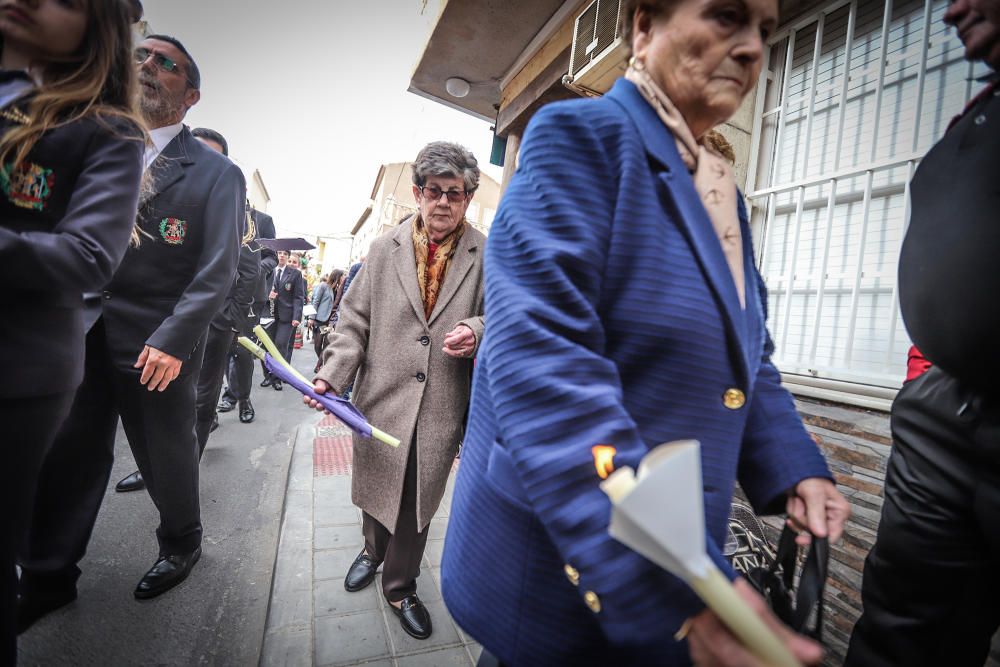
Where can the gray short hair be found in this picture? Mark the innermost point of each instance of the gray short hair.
(442, 158)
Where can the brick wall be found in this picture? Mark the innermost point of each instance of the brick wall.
(856, 443)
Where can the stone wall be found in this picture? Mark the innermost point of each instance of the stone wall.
(856, 443)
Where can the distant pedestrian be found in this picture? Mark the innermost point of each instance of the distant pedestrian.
(71, 144)
(145, 351)
(409, 328)
(288, 295)
(931, 582)
(326, 299)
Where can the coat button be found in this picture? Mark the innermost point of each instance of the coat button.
(106, 295)
(424, 340)
(572, 574)
(593, 602)
(420, 377)
(734, 399)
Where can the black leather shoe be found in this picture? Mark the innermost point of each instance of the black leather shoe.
(413, 617)
(133, 482)
(35, 605)
(276, 384)
(361, 573)
(165, 574)
(246, 411)
(266, 382)
(225, 405)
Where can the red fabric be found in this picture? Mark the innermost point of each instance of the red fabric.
(916, 364)
(432, 248)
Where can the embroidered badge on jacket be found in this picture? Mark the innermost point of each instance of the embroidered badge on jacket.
(173, 230)
(28, 185)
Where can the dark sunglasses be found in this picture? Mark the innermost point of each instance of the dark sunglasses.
(434, 193)
(164, 63)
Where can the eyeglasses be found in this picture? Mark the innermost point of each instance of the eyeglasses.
(434, 193)
(161, 61)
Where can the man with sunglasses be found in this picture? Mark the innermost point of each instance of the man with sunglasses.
(144, 351)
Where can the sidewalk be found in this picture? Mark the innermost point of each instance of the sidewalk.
(312, 620)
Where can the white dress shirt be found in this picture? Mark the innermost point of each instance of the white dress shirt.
(160, 137)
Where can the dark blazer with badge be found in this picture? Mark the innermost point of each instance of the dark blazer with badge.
(66, 215)
(291, 291)
(167, 290)
(614, 320)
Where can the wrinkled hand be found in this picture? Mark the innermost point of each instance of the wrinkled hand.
(816, 506)
(713, 645)
(272, 295)
(295, 323)
(159, 369)
(320, 387)
(460, 342)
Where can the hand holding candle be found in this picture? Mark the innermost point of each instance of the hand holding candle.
(674, 538)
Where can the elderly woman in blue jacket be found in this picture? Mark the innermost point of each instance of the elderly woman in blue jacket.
(625, 310)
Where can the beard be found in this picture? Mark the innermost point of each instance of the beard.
(157, 108)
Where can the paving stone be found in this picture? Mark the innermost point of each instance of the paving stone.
(330, 599)
(437, 529)
(433, 552)
(347, 640)
(428, 585)
(333, 563)
(288, 647)
(338, 537)
(475, 650)
(326, 515)
(333, 483)
(333, 499)
(447, 657)
(444, 633)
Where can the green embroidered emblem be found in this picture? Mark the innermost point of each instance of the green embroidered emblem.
(28, 185)
(173, 230)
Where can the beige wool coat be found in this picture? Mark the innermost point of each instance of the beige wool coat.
(404, 380)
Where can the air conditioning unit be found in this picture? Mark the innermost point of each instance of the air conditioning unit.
(599, 54)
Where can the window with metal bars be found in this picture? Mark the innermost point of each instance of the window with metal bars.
(849, 100)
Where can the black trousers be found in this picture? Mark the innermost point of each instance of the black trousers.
(284, 339)
(401, 550)
(213, 368)
(931, 589)
(74, 475)
(272, 331)
(239, 373)
(29, 428)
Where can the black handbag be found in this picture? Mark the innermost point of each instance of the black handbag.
(775, 584)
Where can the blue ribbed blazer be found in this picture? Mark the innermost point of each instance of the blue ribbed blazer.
(612, 318)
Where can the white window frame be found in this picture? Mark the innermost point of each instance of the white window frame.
(835, 386)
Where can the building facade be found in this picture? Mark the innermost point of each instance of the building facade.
(851, 95)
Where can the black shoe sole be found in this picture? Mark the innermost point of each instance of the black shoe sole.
(156, 592)
(129, 488)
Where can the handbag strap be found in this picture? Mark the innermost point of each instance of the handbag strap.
(812, 583)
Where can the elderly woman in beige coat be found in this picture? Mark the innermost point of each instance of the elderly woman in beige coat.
(409, 328)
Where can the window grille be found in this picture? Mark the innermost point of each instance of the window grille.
(849, 100)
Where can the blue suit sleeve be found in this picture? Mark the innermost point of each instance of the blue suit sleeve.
(777, 451)
(555, 392)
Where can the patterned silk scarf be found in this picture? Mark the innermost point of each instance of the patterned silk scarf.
(430, 275)
(713, 177)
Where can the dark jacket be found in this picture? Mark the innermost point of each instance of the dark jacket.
(268, 258)
(167, 290)
(237, 312)
(291, 295)
(65, 222)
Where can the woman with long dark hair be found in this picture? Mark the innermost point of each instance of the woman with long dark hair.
(71, 146)
(326, 301)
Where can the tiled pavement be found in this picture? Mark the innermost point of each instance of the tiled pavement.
(312, 620)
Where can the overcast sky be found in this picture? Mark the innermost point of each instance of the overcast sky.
(313, 94)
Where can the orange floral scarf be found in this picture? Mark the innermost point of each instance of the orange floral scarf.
(430, 274)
